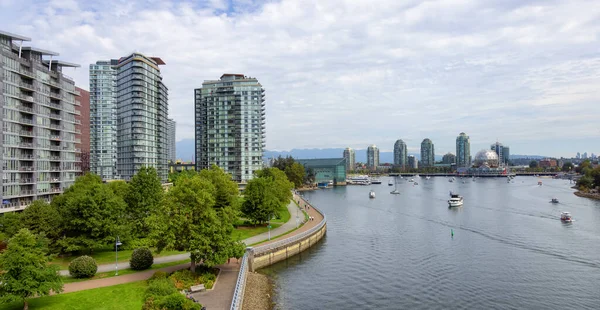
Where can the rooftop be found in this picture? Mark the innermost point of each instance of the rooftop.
(14, 36)
(61, 63)
(39, 50)
(322, 161)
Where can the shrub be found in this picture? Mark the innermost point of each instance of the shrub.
(177, 302)
(160, 287)
(209, 284)
(83, 267)
(141, 259)
(158, 275)
(183, 279)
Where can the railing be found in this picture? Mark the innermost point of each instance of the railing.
(240, 286)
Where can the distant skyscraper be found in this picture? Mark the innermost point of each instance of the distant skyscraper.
(427, 153)
(463, 150)
(578, 155)
(142, 111)
(449, 159)
(585, 156)
(412, 162)
(103, 119)
(171, 143)
(400, 154)
(372, 157)
(499, 149)
(506, 155)
(230, 125)
(350, 157)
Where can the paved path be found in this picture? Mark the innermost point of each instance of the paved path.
(289, 225)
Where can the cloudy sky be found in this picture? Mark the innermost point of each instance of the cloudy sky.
(341, 73)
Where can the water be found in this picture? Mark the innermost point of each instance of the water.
(509, 250)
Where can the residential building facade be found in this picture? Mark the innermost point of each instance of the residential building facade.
(372, 157)
(449, 159)
(463, 151)
(230, 125)
(412, 161)
(506, 155)
(82, 130)
(400, 154)
(39, 158)
(427, 153)
(350, 157)
(171, 143)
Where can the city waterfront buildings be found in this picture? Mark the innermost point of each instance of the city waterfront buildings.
(39, 109)
(505, 155)
(171, 143)
(427, 153)
(350, 157)
(326, 169)
(463, 151)
(400, 154)
(449, 159)
(372, 157)
(82, 129)
(412, 161)
(230, 125)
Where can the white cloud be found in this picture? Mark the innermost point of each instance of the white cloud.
(352, 73)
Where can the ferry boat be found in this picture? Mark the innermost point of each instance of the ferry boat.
(359, 180)
(375, 181)
(566, 217)
(371, 194)
(455, 200)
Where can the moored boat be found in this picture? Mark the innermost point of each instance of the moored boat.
(455, 200)
(554, 200)
(375, 181)
(390, 183)
(371, 194)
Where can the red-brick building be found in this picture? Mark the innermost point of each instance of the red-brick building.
(546, 163)
(82, 127)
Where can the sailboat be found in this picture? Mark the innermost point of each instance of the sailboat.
(395, 191)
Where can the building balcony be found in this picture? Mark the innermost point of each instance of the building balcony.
(23, 108)
(26, 145)
(54, 180)
(26, 86)
(55, 168)
(54, 137)
(55, 95)
(54, 158)
(54, 126)
(26, 181)
(54, 105)
(26, 98)
(77, 103)
(55, 147)
(26, 168)
(25, 157)
(26, 72)
(55, 84)
(26, 133)
(54, 116)
(56, 190)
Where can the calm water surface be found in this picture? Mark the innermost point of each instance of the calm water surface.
(509, 250)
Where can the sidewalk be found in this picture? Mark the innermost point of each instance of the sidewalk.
(289, 225)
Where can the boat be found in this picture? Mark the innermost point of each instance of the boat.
(455, 200)
(427, 177)
(359, 180)
(375, 181)
(417, 176)
(371, 194)
(322, 184)
(395, 191)
(540, 183)
(566, 217)
(554, 200)
(416, 183)
(451, 180)
(330, 183)
(390, 183)
(411, 180)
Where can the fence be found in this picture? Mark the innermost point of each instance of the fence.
(240, 286)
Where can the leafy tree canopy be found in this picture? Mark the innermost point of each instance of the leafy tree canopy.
(281, 185)
(145, 195)
(260, 199)
(42, 218)
(226, 190)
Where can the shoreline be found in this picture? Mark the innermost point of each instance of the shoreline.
(259, 292)
(587, 195)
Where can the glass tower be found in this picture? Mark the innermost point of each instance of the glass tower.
(230, 125)
(463, 151)
(350, 157)
(427, 153)
(171, 143)
(372, 157)
(103, 119)
(400, 154)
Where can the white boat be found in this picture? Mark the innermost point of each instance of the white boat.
(371, 194)
(359, 180)
(455, 200)
(566, 217)
(417, 176)
(395, 191)
(375, 181)
(411, 180)
(451, 180)
(390, 183)
(427, 177)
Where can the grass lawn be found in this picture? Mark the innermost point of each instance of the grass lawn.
(110, 274)
(284, 216)
(106, 256)
(244, 232)
(123, 296)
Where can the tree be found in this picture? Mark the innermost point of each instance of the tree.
(585, 182)
(260, 200)
(145, 195)
(281, 185)
(174, 176)
(309, 178)
(568, 166)
(295, 174)
(92, 215)
(533, 164)
(10, 223)
(187, 220)
(25, 269)
(119, 188)
(42, 218)
(227, 191)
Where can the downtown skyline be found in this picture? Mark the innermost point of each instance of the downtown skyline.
(499, 77)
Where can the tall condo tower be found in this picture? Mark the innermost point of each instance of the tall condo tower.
(372, 157)
(427, 153)
(142, 111)
(400, 154)
(40, 158)
(230, 125)
(499, 149)
(103, 119)
(171, 143)
(463, 151)
(350, 157)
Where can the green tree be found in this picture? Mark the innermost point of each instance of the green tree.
(92, 215)
(568, 166)
(120, 188)
(281, 185)
(174, 176)
(25, 269)
(583, 167)
(42, 218)
(585, 182)
(187, 220)
(227, 191)
(145, 195)
(260, 200)
(295, 174)
(533, 164)
(10, 223)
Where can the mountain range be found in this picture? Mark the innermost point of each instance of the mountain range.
(185, 151)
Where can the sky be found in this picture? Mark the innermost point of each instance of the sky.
(351, 73)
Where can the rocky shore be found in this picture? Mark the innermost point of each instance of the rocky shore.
(588, 195)
(259, 292)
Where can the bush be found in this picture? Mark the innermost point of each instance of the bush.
(141, 259)
(158, 275)
(160, 287)
(83, 267)
(177, 302)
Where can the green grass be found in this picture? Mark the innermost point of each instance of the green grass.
(245, 232)
(123, 297)
(110, 274)
(106, 256)
(284, 216)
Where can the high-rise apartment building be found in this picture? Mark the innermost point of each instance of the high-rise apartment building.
(230, 125)
(82, 135)
(372, 157)
(39, 158)
(142, 111)
(171, 143)
(413, 163)
(103, 119)
(500, 150)
(449, 159)
(350, 157)
(463, 151)
(427, 153)
(400, 154)
(506, 155)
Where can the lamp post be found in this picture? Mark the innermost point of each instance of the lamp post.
(269, 227)
(117, 244)
(297, 219)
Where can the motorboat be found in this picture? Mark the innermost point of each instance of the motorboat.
(322, 184)
(390, 183)
(451, 180)
(416, 183)
(540, 183)
(566, 217)
(375, 181)
(455, 200)
(554, 200)
(411, 180)
(427, 177)
(371, 194)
